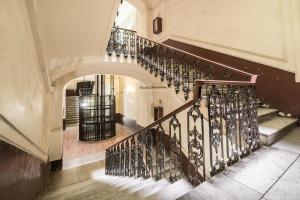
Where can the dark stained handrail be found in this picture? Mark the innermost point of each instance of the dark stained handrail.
(198, 85)
(201, 58)
(169, 115)
(125, 29)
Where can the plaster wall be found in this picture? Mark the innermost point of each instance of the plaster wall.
(23, 101)
(263, 31)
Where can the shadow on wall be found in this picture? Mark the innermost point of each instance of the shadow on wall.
(274, 86)
(22, 176)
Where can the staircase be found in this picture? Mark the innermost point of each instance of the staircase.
(209, 148)
(72, 110)
(273, 126)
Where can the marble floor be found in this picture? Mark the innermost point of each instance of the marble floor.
(59, 179)
(77, 152)
(271, 173)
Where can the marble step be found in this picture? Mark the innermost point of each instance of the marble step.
(73, 190)
(172, 191)
(150, 189)
(128, 190)
(271, 130)
(138, 187)
(265, 114)
(107, 189)
(248, 179)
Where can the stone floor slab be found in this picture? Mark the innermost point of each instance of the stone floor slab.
(288, 186)
(222, 187)
(290, 142)
(262, 169)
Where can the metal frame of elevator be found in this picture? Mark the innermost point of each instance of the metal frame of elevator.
(97, 111)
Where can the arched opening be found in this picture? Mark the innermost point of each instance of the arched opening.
(129, 104)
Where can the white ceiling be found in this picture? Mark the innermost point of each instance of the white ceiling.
(152, 3)
(71, 30)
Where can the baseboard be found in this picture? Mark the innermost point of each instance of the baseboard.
(128, 122)
(56, 165)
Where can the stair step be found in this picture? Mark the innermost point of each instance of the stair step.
(172, 191)
(248, 179)
(72, 190)
(221, 187)
(133, 183)
(265, 114)
(145, 183)
(151, 189)
(271, 130)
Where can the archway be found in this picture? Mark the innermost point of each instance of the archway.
(130, 119)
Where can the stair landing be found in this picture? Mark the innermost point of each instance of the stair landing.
(271, 173)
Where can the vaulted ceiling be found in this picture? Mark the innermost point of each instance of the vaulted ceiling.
(73, 30)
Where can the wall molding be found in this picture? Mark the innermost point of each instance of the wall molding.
(38, 151)
(285, 61)
(32, 16)
(282, 25)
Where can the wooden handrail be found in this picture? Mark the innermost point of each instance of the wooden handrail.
(198, 86)
(200, 83)
(125, 29)
(201, 58)
(169, 115)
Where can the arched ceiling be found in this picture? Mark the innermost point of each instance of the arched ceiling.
(151, 3)
(71, 30)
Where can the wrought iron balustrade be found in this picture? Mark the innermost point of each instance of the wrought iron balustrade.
(178, 68)
(219, 124)
(157, 150)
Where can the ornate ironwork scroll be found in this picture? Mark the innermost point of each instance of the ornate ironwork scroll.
(125, 44)
(149, 148)
(132, 44)
(195, 141)
(126, 157)
(156, 60)
(140, 156)
(117, 42)
(230, 118)
(168, 68)
(111, 43)
(175, 149)
(138, 50)
(227, 75)
(160, 152)
(186, 80)
(161, 66)
(215, 131)
(253, 119)
(133, 157)
(122, 153)
(245, 138)
(208, 73)
(117, 160)
(145, 54)
(176, 75)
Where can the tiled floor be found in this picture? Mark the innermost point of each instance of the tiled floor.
(73, 148)
(271, 173)
(291, 142)
(75, 175)
(76, 153)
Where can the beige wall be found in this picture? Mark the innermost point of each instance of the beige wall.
(264, 31)
(23, 100)
(137, 101)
